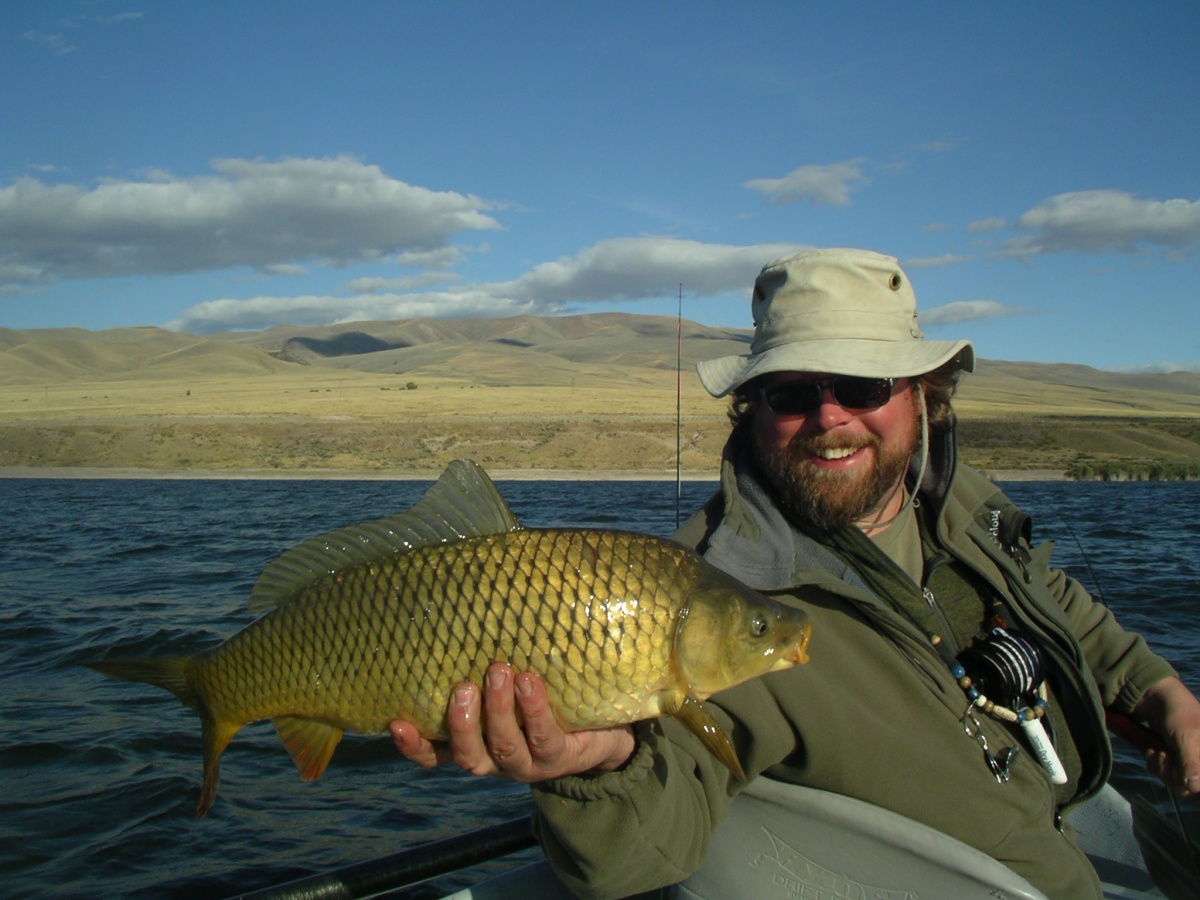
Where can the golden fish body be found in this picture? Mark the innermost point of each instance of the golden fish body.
(365, 629)
(594, 611)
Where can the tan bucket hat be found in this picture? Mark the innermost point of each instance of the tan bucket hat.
(836, 311)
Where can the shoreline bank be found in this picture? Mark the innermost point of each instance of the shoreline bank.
(498, 474)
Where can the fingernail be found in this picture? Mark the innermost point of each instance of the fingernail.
(524, 686)
(496, 679)
(462, 696)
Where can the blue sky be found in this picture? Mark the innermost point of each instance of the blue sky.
(211, 166)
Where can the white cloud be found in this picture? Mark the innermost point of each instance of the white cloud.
(1104, 221)
(407, 283)
(250, 213)
(60, 45)
(621, 269)
(823, 185)
(56, 43)
(935, 262)
(651, 266)
(286, 270)
(1165, 368)
(437, 258)
(121, 17)
(945, 144)
(16, 272)
(263, 312)
(968, 311)
(995, 223)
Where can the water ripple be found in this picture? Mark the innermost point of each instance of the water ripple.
(102, 778)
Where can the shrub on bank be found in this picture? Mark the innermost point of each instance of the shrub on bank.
(1091, 470)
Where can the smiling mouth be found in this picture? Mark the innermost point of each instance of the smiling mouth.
(835, 453)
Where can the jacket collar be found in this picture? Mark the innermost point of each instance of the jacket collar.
(755, 541)
(758, 544)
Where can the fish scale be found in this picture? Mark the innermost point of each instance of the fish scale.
(380, 621)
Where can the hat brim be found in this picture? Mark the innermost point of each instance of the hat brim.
(870, 359)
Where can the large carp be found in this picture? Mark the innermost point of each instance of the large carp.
(380, 620)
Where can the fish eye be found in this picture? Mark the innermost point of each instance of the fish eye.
(759, 625)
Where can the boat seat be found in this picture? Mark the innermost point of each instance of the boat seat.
(785, 841)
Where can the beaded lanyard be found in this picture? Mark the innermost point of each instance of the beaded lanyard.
(1009, 663)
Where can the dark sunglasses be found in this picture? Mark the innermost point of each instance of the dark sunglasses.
(796, 398)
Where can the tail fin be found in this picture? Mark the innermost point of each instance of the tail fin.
(170, 673)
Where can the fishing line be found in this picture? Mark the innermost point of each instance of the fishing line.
(1086, 560)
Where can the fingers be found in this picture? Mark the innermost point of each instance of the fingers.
(465, 746)
(545, 740)
(464, 721)
(1173, 713)
(553, 752)
(1163, 765)
(1178, 779)
(495, 752)
(508, 728)
(504, 736)
(410, 743)
(1187, 767)
(523, 738)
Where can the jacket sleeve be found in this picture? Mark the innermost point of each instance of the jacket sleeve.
(1121, 662)
(643, 827)
(649, 824)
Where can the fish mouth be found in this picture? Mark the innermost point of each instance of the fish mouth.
(797, 654)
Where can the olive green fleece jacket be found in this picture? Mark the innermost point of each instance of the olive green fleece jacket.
(874, 715)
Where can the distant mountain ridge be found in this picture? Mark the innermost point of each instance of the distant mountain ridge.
(527, 350)
(612, 338)
(57, 355)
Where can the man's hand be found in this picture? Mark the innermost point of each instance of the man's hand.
(535, 752)
(1174, 715)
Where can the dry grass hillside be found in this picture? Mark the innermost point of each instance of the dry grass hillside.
(592, 393)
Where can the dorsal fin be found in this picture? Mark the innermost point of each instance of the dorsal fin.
(462, 503)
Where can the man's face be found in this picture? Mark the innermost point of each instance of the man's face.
(835, 466)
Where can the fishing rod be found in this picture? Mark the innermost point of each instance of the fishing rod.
(1142, 738)
(679, 411)
(408, 867)
(1135, 733)
(1184, 882)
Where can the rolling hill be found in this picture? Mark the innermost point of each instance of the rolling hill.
(367, 394)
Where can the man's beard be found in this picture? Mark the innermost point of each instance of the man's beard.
(826, 499)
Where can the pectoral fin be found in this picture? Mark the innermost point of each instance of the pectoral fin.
(311, 743)
(699, 721)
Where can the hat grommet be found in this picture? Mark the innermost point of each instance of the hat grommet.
(894, 282)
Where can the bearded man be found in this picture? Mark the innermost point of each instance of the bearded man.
(840, 492)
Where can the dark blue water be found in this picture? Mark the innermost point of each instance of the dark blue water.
(99, 778)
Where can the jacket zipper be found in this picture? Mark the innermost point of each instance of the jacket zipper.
(940, 558)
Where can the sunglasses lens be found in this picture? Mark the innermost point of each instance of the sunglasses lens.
(793, 398)
(796, 398)
(862, 393)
